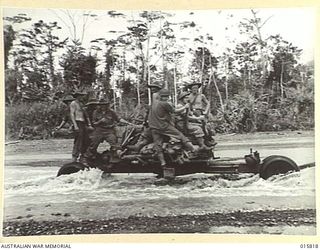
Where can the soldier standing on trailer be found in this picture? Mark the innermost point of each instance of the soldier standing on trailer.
(198, 102)
(79, 120)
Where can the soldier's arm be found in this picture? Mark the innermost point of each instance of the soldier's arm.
(168, 107)
(125, 122)
(64, 120)
(61, 124)
(119, 119)
(180, 108)
(86, 115)
(96, 118)
(207, 103)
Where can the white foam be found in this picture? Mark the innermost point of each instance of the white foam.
(92, 185)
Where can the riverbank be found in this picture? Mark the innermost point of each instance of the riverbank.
(257, 222)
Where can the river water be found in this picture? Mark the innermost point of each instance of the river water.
(31, 178)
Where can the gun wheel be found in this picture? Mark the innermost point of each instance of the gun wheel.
(71, 168)
(277, 164)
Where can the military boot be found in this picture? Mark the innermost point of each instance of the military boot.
(190, 147)
(161, 159)
(200, 141)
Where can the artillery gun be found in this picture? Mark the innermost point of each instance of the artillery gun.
(180, 162)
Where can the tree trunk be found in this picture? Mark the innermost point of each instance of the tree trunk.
(114, 100)
(202, 67)
(148, 69)
(138, 83)
(51, 63)
(218, 91)
(226, 83)
(175, 86)
(281, 81)
(163, 59)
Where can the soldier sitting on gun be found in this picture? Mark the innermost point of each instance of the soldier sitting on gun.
(199, 105)
(188, 123)
(161, 124)
(104, 121)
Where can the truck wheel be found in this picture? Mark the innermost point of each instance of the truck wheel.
(71, 168)
(277, 164)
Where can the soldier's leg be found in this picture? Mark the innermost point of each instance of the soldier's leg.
(197, 132)
(210, 141)
(111, 137)
(83, 134)
(96, 138)
(157, 139)
(211, 131)
(172, 132)
(76, 144)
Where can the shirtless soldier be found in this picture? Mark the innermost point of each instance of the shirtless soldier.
(79, 120)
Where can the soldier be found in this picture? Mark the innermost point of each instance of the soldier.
(161, 124)
(189, 123)
(79, 121)
(198, 102)
(146, 136)
(104, 120)
(199, 105)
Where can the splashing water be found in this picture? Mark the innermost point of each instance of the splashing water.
(93, 185)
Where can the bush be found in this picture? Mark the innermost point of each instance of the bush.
(45, 115)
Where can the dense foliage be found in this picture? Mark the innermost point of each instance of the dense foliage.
(255, 84)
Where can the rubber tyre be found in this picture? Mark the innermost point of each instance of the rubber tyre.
(277, 164)
(71, 168)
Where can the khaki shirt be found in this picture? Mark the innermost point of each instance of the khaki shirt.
(160, 115)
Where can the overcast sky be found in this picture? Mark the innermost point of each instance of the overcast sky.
(296, 25)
